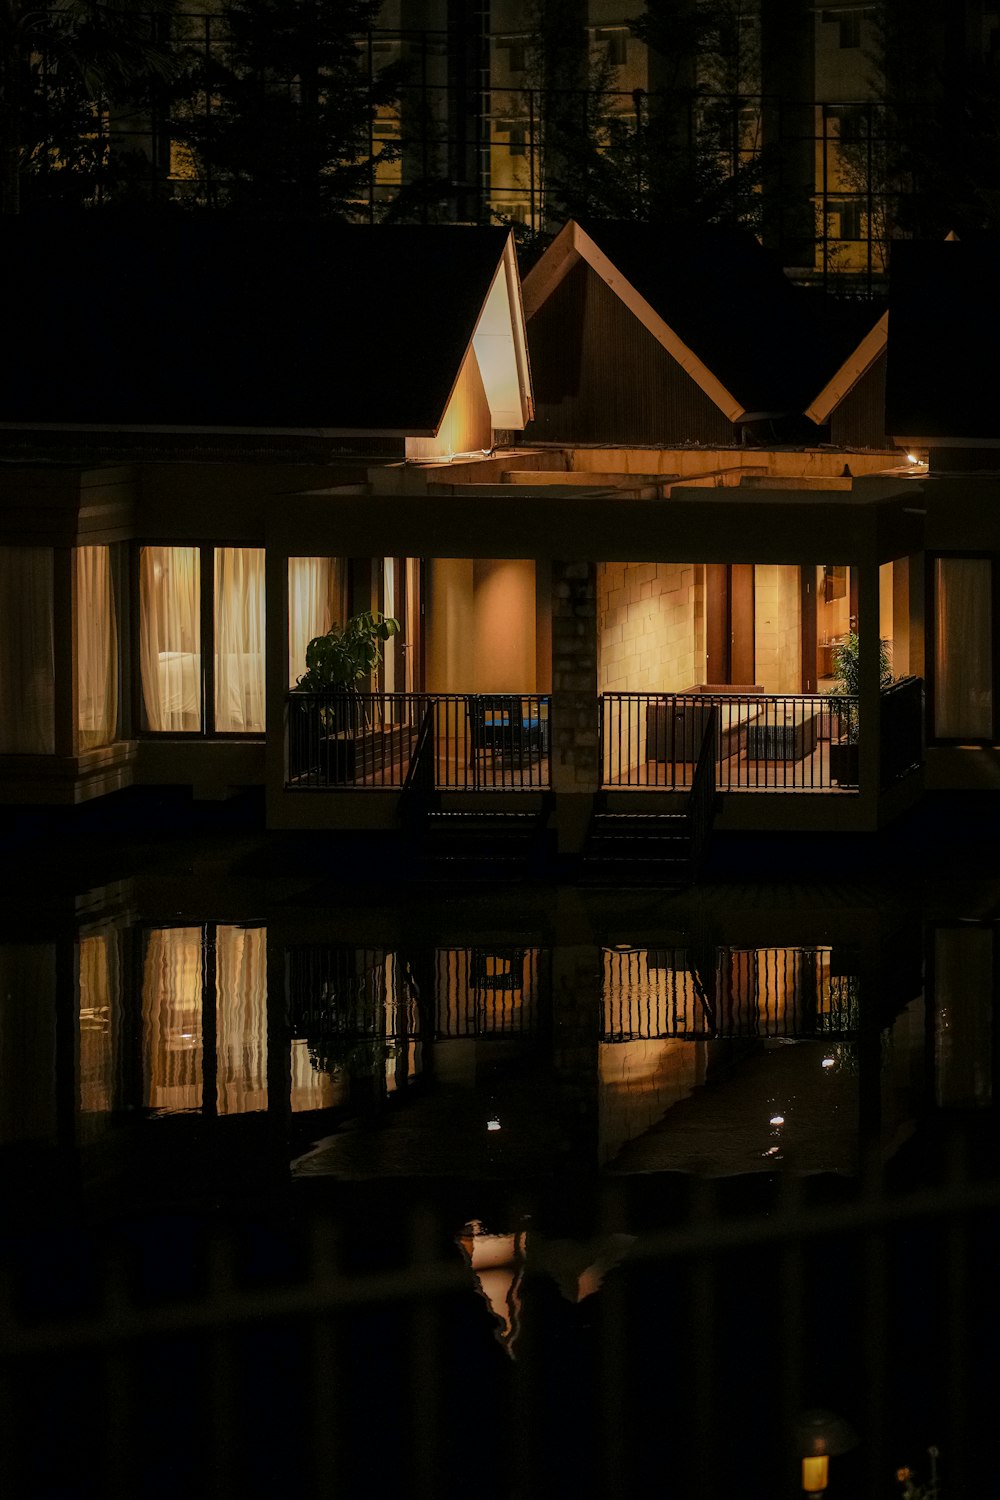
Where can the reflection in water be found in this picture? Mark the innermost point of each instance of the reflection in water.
(100, 1016)
(173, 1050)
(501, 1058)
(499, 1263)
(27, 1042)
(195, 978)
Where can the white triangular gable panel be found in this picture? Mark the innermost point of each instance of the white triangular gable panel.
(501, 348)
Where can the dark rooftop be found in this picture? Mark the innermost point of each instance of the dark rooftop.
(944, 324)
(192, 321)
(772, 344)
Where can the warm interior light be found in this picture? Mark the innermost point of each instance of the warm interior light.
(814, 1472)
(911, 458)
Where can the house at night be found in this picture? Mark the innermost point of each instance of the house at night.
(243, 435)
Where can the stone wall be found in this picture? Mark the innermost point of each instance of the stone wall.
(574, 729)
(650, 621)
(778, 628)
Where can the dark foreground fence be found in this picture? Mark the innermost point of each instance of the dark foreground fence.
(282, 1353)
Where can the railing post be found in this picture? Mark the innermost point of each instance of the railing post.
(574, 717)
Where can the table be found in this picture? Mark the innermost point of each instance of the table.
(792, 736)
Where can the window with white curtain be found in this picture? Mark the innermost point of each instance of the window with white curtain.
(317, 599)
(96, 649)
(239, 640)
(963, 648)
(172, 654)
(170, 637)
(27, 653)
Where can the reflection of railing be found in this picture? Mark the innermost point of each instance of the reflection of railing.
(725, 992)
(768, 742)
(492, 741)
(486, 993)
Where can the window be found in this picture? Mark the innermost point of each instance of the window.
(97, 649)
(615, 39)
(175, 615)
(848, 23)
(850, 219)
(963, 618)
(317, 599)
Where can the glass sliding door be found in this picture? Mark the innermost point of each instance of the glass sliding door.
(170, 638)
(239, 640)
(97, 649)
(317, 600)
(963, 648)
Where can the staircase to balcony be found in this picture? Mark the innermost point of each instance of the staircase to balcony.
(662, 845)
(639, 847)
(464, 836)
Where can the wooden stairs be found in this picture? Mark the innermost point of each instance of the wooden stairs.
(646, 847)
(465, 837)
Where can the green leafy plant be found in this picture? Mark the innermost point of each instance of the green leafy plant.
(847, 666)
(347, 654)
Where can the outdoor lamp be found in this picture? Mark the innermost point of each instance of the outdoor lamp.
(821, 1435)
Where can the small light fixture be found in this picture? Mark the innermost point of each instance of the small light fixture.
(493, 1124)
(820, 1436)
(776, 1120)
(828, 1062)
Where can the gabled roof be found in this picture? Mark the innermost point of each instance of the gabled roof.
(944, 300)
(192, 322)
(755, 343)
(855, 366)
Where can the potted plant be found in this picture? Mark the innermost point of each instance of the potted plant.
(844, 704)
(336, 664)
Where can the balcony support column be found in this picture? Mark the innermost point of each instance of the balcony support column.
(869, 704)
(575, 710)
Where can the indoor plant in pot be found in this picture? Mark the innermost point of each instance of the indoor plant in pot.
(336, 664)
(844, 704)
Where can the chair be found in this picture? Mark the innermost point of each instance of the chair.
(499, 724)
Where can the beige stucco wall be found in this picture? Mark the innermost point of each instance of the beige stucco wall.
(778, 629)
(650, 627)
(480, 626)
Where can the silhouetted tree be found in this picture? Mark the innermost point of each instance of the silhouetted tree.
(60, 65)
(287, 108)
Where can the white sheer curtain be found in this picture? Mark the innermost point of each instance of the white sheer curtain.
(411, 627)
(27, 656)
(317, 599)
(963, 653)
(170, 637)
(97, 649)
(389, 608)
(239, 640)
(171, 1019)
(241, 1019)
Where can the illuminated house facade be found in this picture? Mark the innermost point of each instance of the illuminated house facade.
(675, 521)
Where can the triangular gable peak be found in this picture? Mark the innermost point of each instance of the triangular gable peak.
(492, 385)
(573, 245)
(854, 368)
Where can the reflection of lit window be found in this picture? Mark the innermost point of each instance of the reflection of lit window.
(99, 1000)
(187, 970)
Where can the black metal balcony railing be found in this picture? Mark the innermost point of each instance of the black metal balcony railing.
(491, 741)
(902, 729)
(764, 742)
